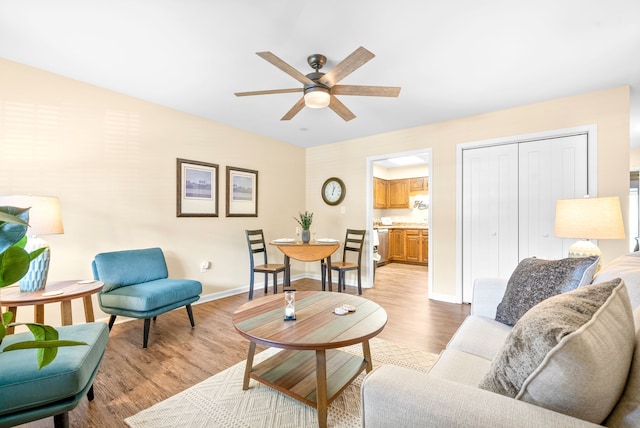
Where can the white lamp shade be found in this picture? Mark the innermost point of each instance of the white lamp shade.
(45, 217)
(589, 218)
(317, 97)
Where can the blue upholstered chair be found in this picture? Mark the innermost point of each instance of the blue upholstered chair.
(28, 394)
(136, 285)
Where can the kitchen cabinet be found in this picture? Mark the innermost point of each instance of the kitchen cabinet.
(396, 245)
(419, 184)
(380, 193)
(395, 193)
(409, 246)
(424, 256)
(398, 193)
(417, 245)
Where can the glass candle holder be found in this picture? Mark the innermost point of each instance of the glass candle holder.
(289, 305)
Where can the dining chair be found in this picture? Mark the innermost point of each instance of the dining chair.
(353, 244)
(256, 244)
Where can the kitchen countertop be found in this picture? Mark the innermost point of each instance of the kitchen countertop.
(402, 226)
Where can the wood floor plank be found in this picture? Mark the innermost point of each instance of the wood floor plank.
(131, 378)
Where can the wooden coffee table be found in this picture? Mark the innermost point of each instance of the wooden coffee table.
(310, 369)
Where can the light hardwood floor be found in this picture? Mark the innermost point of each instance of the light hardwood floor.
(131, 378)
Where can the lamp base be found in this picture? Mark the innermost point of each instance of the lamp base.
(36, 277)
(586, 248)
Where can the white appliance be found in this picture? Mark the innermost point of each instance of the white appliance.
(386, 221)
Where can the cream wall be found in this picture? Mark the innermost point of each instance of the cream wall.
(608, 109)
(634, 159)
(111, 159)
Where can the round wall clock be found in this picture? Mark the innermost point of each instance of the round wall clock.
(333, 191)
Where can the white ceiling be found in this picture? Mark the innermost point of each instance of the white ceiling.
(452, 58)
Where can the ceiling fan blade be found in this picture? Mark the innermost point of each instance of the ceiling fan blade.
(294, 110)
(347, 66)
(268, 56)
(371, 91)
(268, 92)
(341, 109)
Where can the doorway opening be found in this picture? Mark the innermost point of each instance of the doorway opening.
(399, 212)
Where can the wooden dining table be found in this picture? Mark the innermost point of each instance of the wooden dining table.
(312, 251)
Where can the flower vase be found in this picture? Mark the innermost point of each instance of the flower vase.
(306, 236)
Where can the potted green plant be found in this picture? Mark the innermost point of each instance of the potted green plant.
(305, 221)
(14, 264)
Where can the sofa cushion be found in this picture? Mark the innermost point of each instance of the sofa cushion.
(460, 367)
(121, 268)
(480, 336)
(147, 296)
(570, 353)
(627, 410)
(23, 386)
(535, 280)
(626, 267)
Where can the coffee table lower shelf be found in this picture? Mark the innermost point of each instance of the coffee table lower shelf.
(294, 373)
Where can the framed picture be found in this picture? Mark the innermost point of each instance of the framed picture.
(242, 192)
(197, 192)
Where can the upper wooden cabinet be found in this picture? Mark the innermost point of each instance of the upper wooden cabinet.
(395, 193)
(380, 193)
(419, 184)
(398, 193)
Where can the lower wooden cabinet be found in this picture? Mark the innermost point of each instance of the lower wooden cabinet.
(424, 255)
(409, 245)
(412, 242)
(396, 245)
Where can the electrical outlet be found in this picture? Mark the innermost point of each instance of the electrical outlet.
(204, 266)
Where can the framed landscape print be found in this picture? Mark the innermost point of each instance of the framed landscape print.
(197, 192)
(242, 192)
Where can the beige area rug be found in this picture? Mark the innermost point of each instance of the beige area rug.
(220, 401)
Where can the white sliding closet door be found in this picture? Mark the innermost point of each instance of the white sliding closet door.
(509, 194)
(549, 170)
(490, 213)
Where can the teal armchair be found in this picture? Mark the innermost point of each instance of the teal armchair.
(136, 285)
(28, 394)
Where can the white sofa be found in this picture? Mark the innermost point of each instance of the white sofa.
(449, 396)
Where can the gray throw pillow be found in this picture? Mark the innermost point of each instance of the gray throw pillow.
(570, 353)
(535, 280)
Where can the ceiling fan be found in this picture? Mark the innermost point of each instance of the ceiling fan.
(321, 88)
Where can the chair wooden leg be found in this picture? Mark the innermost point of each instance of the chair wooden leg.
(266, 283)
(275, 283)
(61, 420)
(190, 313)
(251, 285)
(112, 319)
(147, 325)
(323, 269)
(360, 281)
(90, 393)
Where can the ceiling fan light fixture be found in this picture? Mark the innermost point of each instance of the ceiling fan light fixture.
(316, 97)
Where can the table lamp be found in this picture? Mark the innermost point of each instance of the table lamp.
(44, 219)
(588, 218)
